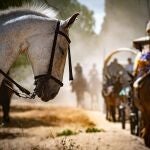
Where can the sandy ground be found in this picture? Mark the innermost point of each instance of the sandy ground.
(36, 127)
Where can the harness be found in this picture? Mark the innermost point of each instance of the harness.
(27, 94)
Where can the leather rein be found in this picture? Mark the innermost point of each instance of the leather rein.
(27, 94)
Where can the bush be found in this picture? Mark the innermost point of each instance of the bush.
(93, 130)
(66, 132)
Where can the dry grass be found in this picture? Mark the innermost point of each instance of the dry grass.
(27, 116)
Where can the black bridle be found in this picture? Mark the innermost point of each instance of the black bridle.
(49, 73)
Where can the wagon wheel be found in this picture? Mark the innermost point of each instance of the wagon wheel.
(123, 117)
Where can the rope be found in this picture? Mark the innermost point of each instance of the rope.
(25, 93)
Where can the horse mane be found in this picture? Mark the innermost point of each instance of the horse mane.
(27, 9)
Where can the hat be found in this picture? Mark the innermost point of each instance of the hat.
(140, 42)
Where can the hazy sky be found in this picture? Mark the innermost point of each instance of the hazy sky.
(97, 6)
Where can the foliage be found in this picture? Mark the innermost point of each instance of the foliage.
(66, 132)
(66, 8)
(93, 130)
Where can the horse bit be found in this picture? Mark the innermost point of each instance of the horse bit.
(27, 94)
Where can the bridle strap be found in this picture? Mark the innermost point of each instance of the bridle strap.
(56, 80)
(22, 89)
(69, 55)
(70, 64)
(53, 48)
(26, 94)
(46, 76)
(63, 34)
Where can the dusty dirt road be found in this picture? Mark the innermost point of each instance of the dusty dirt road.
(36, 127)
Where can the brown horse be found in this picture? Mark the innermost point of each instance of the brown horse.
(110, 92)
(142, 101)
(142, 84)
(110, 103)
(79, 86)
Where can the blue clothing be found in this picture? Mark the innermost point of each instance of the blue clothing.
(145, 57)
(144, 64)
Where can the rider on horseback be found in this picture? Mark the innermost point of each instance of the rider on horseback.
(94, 87)
(142, 62)
(79, 85)
(141, 85)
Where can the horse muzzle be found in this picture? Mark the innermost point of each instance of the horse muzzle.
(46, 89)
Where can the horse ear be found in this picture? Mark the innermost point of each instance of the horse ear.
(67, 23)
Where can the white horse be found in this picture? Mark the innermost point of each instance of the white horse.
(43, 39)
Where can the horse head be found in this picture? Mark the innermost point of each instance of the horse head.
(49, 69)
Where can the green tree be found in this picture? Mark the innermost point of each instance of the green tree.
(66, 8)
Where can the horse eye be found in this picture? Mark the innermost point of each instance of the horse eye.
(61, 50)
